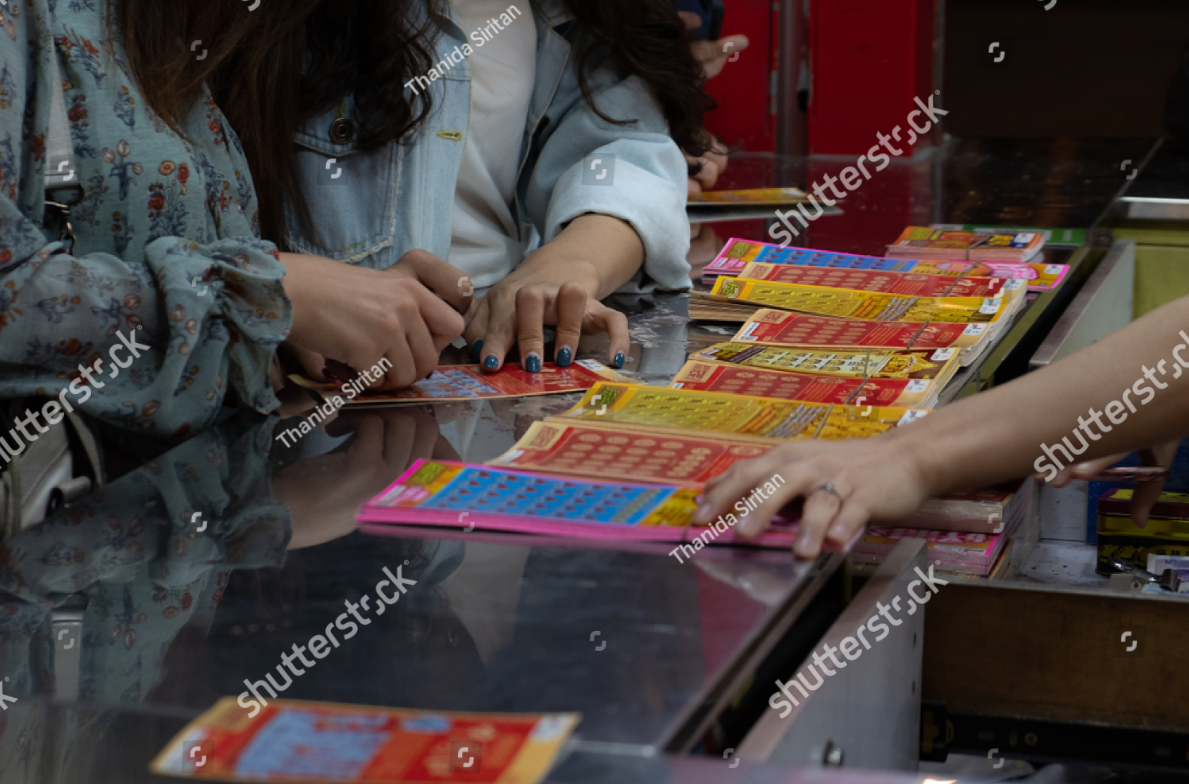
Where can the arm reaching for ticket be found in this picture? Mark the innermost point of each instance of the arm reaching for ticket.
(1125, 392)
(1146, 493)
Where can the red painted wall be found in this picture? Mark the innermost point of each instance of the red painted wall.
(869, 58)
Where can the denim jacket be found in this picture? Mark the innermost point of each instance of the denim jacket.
(371, 208)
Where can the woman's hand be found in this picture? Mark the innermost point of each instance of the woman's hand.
(560, 285)
(1146, 494)
(713, 55)
(1000, 434)
(407, 314)
(712, 163)
(873, 479)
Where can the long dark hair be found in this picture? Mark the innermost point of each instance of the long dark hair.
(273, 68)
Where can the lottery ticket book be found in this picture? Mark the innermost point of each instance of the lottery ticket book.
(462, 495)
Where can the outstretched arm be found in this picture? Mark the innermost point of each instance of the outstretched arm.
(1125, 392)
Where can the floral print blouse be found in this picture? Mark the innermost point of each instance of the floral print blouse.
(168, 238)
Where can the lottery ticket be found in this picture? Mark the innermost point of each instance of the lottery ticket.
(782, 328)
(737, 253)
(471, 382)
(865, 305)
(667, 409)
(292, 740)
(928, 365)
(585, 448)
(884, 281)
(817, 388)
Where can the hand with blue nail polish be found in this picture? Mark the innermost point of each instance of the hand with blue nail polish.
(560, 285)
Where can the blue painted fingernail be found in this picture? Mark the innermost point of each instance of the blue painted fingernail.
(565, 357)
(477, 347)
(533, 364)
(619, 360)
(490, 361)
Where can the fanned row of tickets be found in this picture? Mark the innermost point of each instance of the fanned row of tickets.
(854, 359)
(985, 245)
(628, 460)
(815, 300)
(906, 256)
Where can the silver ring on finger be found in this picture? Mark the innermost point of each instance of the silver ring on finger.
(829, 487)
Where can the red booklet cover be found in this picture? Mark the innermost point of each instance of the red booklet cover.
(811, 387)
(883, 281)
(300, 741)
(611, 453)
(470, 382)
(783, 328)
(814, 388)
